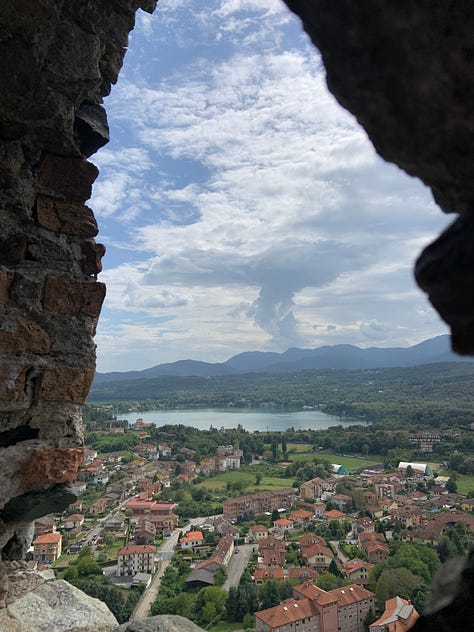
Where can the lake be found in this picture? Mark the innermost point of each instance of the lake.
(254, 419)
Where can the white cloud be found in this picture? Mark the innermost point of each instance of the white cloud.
(291, 230)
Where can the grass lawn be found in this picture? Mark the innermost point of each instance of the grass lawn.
(112, 550)
(63, 561)
(351, 462)
(248, 478)
(225, 626)
(465, 482)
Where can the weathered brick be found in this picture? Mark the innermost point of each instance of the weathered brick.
(65, 384)
(70, 218)
(65, 296)
(12, 382)
(93, 253)
(68, 177)
(21, 335)
(6, 279)
(53, 465)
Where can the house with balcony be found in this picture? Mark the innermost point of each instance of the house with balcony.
(47, 548)
(136, 558)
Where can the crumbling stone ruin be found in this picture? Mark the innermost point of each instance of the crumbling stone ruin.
(405, 69)
(59, 59)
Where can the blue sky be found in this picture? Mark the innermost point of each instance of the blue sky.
(241, 206)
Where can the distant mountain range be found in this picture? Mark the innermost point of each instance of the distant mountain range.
(293, 360)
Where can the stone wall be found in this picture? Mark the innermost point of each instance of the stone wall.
(59, 59)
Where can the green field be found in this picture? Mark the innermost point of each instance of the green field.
(224, 626)
(248, 478)
(351, 462)
(465, 482)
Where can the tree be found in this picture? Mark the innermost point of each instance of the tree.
(109, 539)
(269, 594)
(210, 603)
(248, 622)
(369, 618)
(328, 581)
(451, 485)
(396, 582)
(258, 478)
(274, 448)
(220, 576)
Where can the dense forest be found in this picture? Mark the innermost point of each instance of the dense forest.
(433, 394)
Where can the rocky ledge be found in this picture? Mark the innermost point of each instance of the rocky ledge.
(34, 601)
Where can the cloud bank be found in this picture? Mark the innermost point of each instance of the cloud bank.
(241, 206)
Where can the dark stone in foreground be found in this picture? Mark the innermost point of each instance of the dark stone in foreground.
(33, 505)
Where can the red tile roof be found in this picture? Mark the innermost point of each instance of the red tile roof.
(48, 538)
(133, 549)
(351, 594)
(192, 536)
(288, 612)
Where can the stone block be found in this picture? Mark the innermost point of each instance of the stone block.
(71, 178)
(70, 218)
(65, 296)
(52, 465)
(32, 505)
(91, 127)
(6, 279)
(93, 253)
(12, 382)
(65, 384)
(21, 335)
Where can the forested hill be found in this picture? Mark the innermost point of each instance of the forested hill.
(434, 350)
(433, 392)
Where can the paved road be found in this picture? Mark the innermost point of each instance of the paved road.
(340, 553)
(237, 565)
(165, 553)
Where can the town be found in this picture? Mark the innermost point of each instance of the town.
(257, 532)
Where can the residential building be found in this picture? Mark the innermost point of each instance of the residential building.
(362, 525)
(74, 521)
(191, 540)
(282, 525)
(311, 489)
(115, 523)
(315, 610)
(335, 514)
(375, 547)
(264, 573)
(301, 516)
(357, 571)
(258, 532)
(301, 573)
(289, 616)
(271, 552)
(317, 556)
(145, 532)
(342, 501)
(259, 503)
(399, 615)
(136, 558)
(47, 548)
(44, 525)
